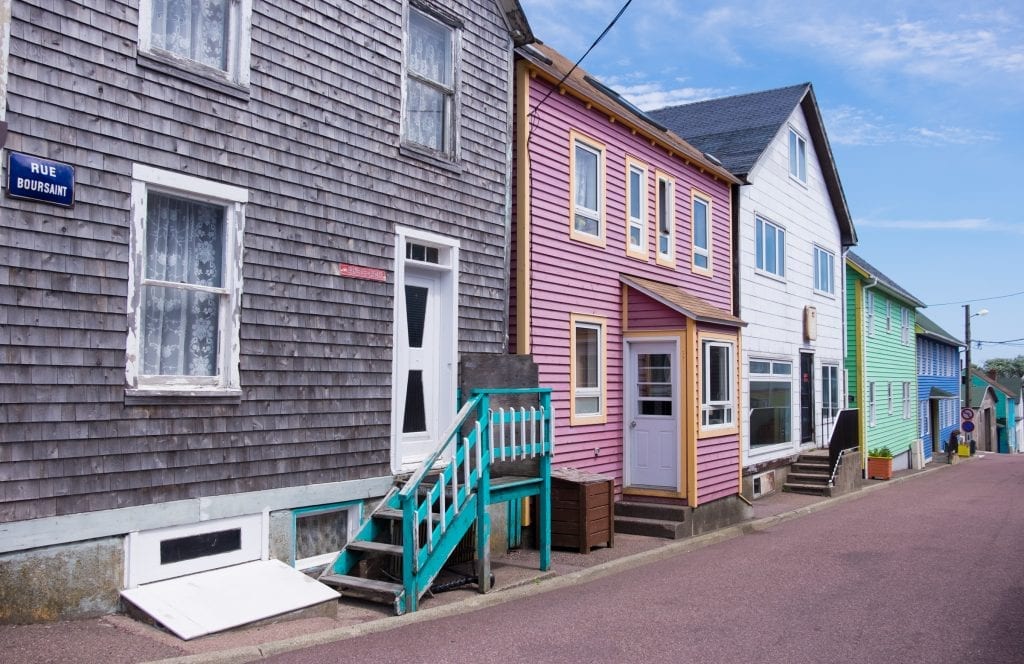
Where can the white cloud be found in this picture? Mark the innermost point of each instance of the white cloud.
(950, 135)
(966, 224)
(847, 125)
(646, 95)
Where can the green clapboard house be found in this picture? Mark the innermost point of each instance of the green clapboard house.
(881, 360)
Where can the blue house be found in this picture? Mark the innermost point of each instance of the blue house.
(938, 384)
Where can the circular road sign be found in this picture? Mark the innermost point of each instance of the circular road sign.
(968, 426)
(966, 413)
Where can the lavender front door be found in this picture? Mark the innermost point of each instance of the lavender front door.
(652, 416)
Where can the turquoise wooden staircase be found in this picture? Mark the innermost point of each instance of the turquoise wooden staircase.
(418, 524)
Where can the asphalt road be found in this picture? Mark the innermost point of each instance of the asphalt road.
(930, 570)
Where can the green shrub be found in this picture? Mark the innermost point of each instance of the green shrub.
(880, 452)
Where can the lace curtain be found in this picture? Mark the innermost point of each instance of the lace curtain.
(194, 29)
(184, 244)
(429, 58)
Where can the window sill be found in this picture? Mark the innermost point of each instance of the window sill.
(770, 275)
(181, 397)
(426, 155)
(192, 72)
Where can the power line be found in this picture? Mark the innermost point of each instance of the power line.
(577, 64)
(977, 299)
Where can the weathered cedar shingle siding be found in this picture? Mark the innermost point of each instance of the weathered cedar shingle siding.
(316, 144)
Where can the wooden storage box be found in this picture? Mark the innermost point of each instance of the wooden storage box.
(581, 509)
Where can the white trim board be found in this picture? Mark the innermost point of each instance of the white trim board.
(214, 601)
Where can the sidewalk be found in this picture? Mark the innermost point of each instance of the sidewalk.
(119, 639)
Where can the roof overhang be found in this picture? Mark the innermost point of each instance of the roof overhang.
(515, 19)
(681, 301)
(939, 393)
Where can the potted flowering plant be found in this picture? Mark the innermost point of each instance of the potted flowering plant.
(880, 463)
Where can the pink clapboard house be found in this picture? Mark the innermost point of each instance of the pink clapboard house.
(623, 288)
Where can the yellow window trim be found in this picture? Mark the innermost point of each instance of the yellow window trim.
(716, 432)
(642, 253)
(602, 217)
(696, 194)
(668, 260)
(602, 323)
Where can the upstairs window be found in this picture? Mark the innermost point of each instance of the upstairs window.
(213, 34)
(428, 118)
(636, 209)
(888, 316)
(186, 282)
(824, 271)
(797, 156)
(701, 233)
(770, 248)
(666, 206)
(869, 312)
(905, 325)
(587, 186)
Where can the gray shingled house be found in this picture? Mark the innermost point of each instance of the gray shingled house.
(207, 344)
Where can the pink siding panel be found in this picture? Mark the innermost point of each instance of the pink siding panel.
(645, 313)
(717, 467)
(574, 277)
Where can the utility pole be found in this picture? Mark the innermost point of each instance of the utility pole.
(967, 363)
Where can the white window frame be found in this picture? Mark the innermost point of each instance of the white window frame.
(600, 391)
(924, 422)
(828, 270)
(905, 327)
(889, 399)
(761, 228)
(450, 140)
(577, 142)
(872, 415)
(797, 156)
(776, 375)
(238, 48)
(636, 222)
(665, 219)
(699, 251)
(142, 549)
(234, 199)
(906, 400)
(869, 312)
(830, 377)
(707, 405)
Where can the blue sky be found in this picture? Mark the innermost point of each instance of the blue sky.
(923, 103)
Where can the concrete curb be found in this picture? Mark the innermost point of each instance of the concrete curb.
(545, 583)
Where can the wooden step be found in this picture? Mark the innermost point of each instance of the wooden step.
(384, 592)
(376, 547)
(396, 515)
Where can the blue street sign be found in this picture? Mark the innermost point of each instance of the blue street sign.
(37, 179)
(968, 426)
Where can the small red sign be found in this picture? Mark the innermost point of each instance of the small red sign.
(360, 272)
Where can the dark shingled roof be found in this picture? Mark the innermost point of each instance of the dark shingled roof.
(930, 329)
(737, 130)
(884, 282)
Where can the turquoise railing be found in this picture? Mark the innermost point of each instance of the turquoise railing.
(452, 487)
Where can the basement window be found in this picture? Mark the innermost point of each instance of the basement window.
(321, 531)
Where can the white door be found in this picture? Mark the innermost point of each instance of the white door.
(652, 415)
(418, 357)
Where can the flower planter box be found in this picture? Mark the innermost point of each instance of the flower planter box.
(879, 468)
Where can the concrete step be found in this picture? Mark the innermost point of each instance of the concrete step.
(814, 489)
(815, 467)
(808, 478)
(656, 511)
(665, 529)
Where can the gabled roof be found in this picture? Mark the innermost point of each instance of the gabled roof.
(884, 283)
(996, 385)
(926, 327)
(737, 131)
(1015, 383)
(557, 69)
(515, 19)
(679, 300)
